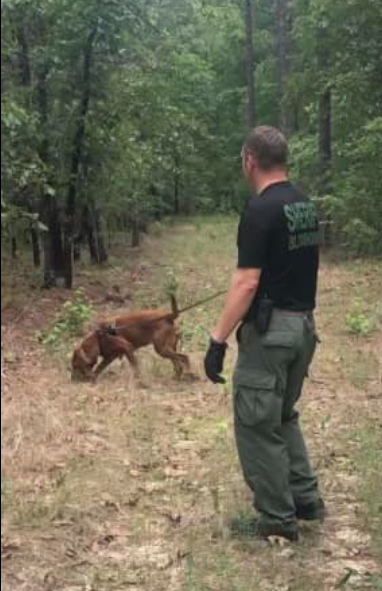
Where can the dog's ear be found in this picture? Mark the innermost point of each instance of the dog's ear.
(81, 355)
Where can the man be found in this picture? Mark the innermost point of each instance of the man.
(272, 297)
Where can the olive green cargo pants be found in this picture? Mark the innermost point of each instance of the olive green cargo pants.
(268, 382)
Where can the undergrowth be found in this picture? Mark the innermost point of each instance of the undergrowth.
(370, 462)
(70, 322)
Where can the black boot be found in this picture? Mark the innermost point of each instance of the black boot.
(312, 511)
(245, 527)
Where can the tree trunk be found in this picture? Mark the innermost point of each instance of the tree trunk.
(136, 234)
(14, 249)
(157, 202)
(23, 56)
(78, 144)
(49, 271)
(53, 249)
(250, 62)
(284, 63)
(176, 184)
(102, 252)
(77, 251)
(325, 138)
(325, 114)
(96, 242)
(50, 214)
(35, 247)
(176, 194)
(53, 253)
(92, 246)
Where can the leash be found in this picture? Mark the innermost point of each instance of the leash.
(114, 330)
(202, 302)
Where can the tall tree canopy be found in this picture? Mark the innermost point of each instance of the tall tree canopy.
(120, 112)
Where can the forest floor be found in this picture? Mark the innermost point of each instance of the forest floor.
(118, 487)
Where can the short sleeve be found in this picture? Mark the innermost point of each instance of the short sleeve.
(253, 239)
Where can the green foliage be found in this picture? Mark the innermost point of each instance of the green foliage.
(166, 113)
(358, 322)
(16, 218)
(304, 161)
(352, 73)
(70, 323)
(171, 283)
(360, 238)
(357, 210)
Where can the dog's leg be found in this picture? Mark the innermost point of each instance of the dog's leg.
(182, 360)
(129, 353)
(166, 343)
(179, 361)
(124, 350)
(184, 364)
(105, 363)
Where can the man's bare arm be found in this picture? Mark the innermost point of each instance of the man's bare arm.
(241, 294)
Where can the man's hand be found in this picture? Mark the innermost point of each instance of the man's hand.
(214, 361)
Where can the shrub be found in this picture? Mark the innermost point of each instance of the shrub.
(358, 322)
(70, 323)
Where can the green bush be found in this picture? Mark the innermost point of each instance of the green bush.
(358, 322)
(171, 283)
(357, 208)
(70, 323)
(304, 162)
(354, 204)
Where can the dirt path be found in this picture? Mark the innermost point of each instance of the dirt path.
(118, 487)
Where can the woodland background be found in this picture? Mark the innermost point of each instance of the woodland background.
(116, 113)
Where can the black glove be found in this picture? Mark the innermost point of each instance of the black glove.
(214, 361)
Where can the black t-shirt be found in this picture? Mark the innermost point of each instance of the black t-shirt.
(279, 233)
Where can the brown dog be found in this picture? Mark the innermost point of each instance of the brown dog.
(126, 335)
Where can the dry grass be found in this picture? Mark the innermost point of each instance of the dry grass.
(115, 487)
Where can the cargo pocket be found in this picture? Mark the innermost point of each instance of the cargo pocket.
(277, 338)
(281, 347)
(257, 400)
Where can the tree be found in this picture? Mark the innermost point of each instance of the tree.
(76, 157)
(250, 61)
(284, 63)
(117, 113)
(324, 111)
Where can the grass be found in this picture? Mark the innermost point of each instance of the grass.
(121, 488)
(361, 367)
(370, 464)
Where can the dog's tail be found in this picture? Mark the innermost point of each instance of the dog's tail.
(174, 307)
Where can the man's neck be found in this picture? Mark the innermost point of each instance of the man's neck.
(272, 179)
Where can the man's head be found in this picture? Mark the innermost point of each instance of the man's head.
(265, 156)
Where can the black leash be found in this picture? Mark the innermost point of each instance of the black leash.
(114, 330)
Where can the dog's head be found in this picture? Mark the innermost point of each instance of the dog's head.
(83, 364)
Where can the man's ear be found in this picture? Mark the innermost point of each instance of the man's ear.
(253, 163)
(247, 163)
(250, 166)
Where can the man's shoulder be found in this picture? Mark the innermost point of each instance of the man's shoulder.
(255, 205)
(254, 213)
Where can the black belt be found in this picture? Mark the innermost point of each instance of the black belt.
(301, 313)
